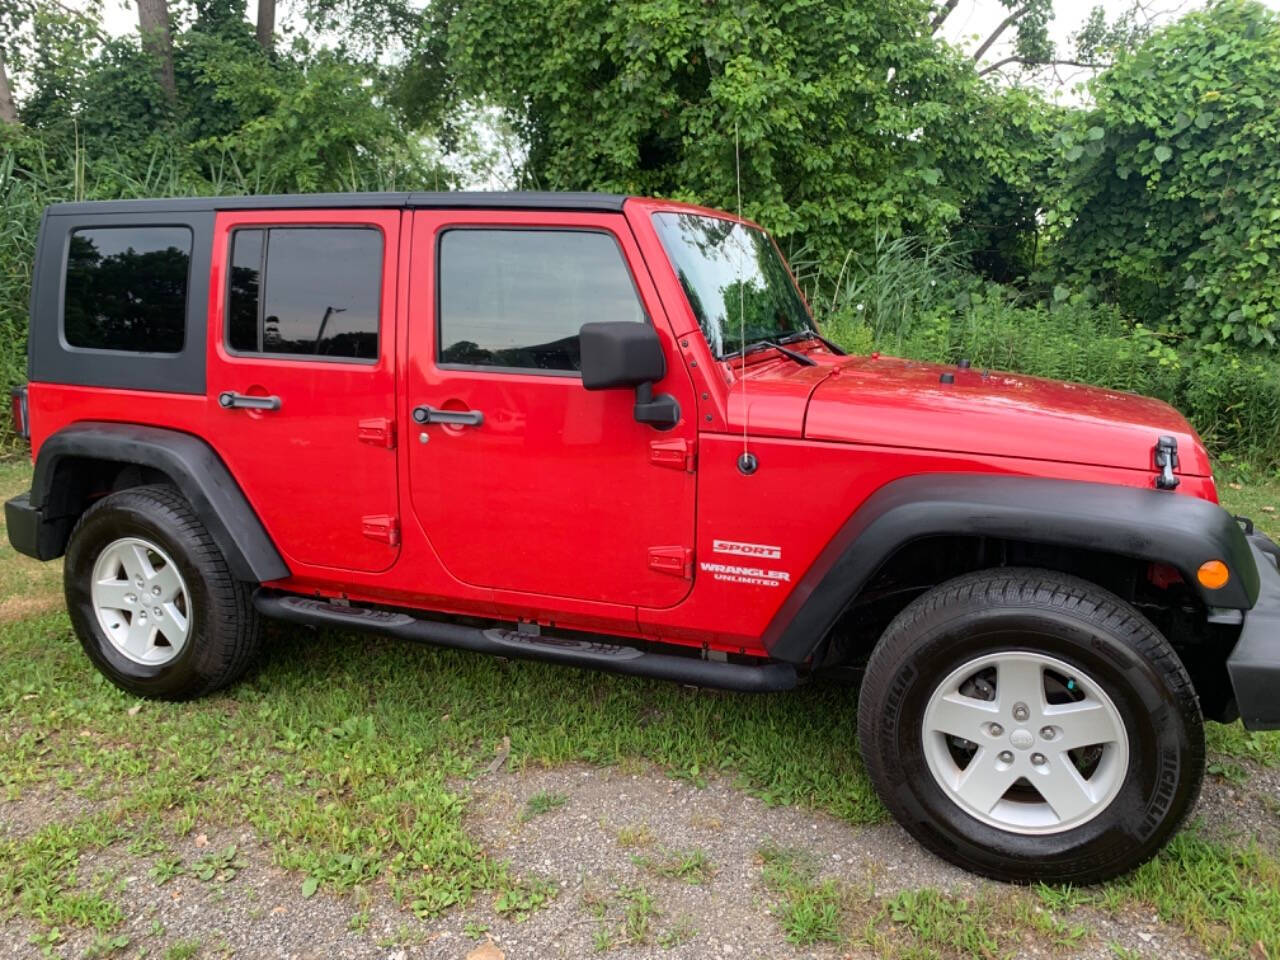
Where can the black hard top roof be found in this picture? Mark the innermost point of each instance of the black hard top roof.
(471, 200)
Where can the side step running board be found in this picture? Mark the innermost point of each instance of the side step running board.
(593, 654)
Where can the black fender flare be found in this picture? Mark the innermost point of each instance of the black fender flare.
(1143, 524)
(193, 466)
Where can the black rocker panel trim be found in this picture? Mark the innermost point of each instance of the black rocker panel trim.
(610, 654)
(1143, 524)
(188, 461)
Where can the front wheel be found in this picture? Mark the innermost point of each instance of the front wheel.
(1029, 725)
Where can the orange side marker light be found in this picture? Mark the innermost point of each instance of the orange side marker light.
(1213, 574)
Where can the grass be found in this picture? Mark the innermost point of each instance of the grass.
(1226, 898)
(688, 866)
(544, 801)
(27, 587)
(336, 752)
(635, 835)
(626, 917)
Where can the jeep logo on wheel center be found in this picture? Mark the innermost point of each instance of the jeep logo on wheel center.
(510, 423)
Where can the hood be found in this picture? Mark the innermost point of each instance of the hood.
(887, 401)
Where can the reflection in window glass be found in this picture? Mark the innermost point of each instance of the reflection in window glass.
(126, 289)
(737, 285)
(305, 290)
(517, 298)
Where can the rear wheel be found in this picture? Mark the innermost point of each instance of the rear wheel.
(1029, 725)
(152, 599)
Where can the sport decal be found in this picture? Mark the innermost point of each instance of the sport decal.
(761, 550)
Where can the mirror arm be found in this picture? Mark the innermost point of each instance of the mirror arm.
(659, 411)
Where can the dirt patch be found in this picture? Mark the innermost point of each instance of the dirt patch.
(21, 606)
(616, 847)
(1243, 809)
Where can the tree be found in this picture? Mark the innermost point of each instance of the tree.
(266, 23)
(1173, 178)
(8, 110)
(153, 24)
(1095, 43)
(849, 116)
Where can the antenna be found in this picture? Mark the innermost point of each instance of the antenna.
(747, 462)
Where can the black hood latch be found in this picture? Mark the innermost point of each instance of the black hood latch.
(1166, 460)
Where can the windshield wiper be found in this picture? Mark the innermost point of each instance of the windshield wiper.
(809, 334)
(758, 345)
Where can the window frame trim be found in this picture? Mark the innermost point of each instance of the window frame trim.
(70, 347)
(437, 294)
(266, 229)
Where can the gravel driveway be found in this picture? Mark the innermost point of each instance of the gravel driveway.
(606, 839)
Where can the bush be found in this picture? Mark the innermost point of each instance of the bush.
(1169, 207)
(1231, 397)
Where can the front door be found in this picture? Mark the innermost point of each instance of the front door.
(302, 378)
(522, 480)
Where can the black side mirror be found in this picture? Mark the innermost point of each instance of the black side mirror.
(628, 354)
(620, 354)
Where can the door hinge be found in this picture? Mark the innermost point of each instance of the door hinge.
(377, 430)
(677, 453)
(381, 527)
(677, 561)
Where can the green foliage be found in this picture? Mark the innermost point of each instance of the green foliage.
(913, 300)
(902, 279)
(1172, 180)
(295, 120)
(844, 115)
(97, 126)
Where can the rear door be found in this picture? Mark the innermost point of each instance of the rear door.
(301, 377)
(541, 487)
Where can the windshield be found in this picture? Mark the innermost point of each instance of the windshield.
(729, 270)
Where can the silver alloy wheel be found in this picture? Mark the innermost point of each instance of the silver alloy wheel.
(141, 601)
(1040, 750)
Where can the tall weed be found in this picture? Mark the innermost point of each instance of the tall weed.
(1232, 397)
(889, 290)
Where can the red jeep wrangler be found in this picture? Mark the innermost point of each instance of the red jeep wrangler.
(604, 431)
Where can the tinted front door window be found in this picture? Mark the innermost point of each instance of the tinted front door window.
(517, 298)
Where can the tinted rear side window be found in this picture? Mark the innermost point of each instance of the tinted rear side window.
(312, 291)
(126, 288)
(517, 298)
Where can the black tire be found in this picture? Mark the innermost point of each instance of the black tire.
(1073, 621)
(224, 627)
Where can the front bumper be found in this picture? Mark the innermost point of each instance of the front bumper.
(30, 532)
(1254, 664)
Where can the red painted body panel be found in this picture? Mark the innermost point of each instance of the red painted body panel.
(549, 510)
(901, 403)
(555, 494)
(305, 469)
(799, 498)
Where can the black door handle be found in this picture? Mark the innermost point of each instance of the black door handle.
(230, 400)
(465, 418)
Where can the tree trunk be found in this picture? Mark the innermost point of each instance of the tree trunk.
(266, 24)
(8, 112)
(153, 23)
